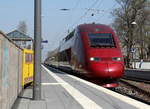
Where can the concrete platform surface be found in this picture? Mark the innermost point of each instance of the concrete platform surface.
(64, 91)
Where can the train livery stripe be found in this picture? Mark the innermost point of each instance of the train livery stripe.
(128, 100)
(84, 101)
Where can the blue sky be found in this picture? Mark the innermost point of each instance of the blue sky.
(55, 23)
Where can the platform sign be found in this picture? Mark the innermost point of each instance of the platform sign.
(45, 41)
(133, 50)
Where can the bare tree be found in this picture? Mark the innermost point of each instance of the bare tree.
(130, 11)
(22, 27)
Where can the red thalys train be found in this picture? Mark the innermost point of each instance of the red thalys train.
(94, 51)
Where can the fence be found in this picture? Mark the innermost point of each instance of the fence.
(139, 65)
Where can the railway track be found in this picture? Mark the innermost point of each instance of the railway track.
(136, 90)
(136, 79)
(135, 84)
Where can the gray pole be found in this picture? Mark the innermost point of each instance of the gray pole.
(37, 51)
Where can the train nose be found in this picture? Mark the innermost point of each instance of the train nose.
(107, 70)
(115, 70)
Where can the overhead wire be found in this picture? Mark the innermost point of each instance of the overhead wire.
(95, 10)
(107, 11)
(76, 5)
(85, 13)
(81, 17)
(98, 3)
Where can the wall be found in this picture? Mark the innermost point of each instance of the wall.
(144, 65)
(10, 72)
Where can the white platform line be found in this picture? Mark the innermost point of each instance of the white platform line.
(84, 101)
(128, 100)
(53, 83)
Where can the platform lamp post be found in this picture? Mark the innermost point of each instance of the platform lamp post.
(133, 50)
(37, 51)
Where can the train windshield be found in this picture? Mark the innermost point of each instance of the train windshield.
(101, 40)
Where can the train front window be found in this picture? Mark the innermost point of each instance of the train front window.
(101, 40)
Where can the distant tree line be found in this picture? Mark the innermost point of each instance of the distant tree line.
(132, 25)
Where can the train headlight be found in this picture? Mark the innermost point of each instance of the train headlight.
(94, 59)
(116, 59)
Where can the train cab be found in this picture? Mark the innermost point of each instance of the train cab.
(93, 50)
(104, 58)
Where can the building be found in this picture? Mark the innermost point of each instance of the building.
(21, 39)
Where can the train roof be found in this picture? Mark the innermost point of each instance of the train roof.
(94, 27)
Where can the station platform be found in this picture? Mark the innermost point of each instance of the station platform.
(64, 91)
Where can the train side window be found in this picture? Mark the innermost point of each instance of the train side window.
(70, 35)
